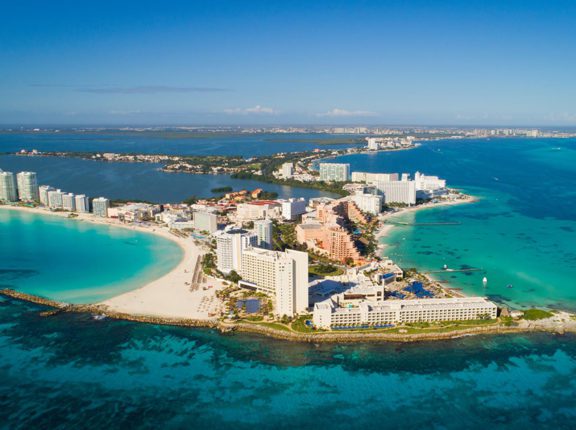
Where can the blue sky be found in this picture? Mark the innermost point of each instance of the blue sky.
(280, 62)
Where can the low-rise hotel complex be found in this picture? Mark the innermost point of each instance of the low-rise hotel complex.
(328, 314)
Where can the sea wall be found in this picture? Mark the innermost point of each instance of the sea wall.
(318, 337)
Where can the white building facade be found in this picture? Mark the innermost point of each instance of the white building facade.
(292, 208)
(68, 202)
(334, 172)
(374, 177)
(287, 170)
(82, 203)
(27, 187)
(205, 221)
(100, 206)
(264, 229)
(43, 193)
(55, 199)
(398, 191)
(229, 246)
(8, 189)
(283, 275)
(327, 314)
(369, 203)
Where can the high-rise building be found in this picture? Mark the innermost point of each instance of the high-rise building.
(429, 186)
(43, 193)
(263, 229)
(230, 243)
(287, 170)
(27, 187)
(283, 275)
(374, 177)
(100, 206)
(398, 191)
(8, 190)
(369, 203)
(334, 172)
(292, 208)
(55, 199)
(205, 221)
(82, 203)
(373, 143)
(68, 202)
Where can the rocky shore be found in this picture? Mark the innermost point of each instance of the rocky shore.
(561, 323)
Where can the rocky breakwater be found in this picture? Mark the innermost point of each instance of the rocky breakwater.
(365, 336)
(59, 307)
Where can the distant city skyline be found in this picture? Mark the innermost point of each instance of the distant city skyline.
(445, 63)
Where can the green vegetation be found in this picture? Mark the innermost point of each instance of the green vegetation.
(122, 202)
(268, 195)
(190, 200)
(221, 190)
(325, 269)
(276, 326)
(208, 263)
(233, 277)
(284, 236)
(536, 314)
(299, 324)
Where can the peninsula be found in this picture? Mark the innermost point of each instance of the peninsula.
(293, 269)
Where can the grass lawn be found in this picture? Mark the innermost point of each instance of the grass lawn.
(300, 324)
(325, 270)
(273, 325)
(536, 314)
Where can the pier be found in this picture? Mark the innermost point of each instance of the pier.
(472, 269)
(402, 223)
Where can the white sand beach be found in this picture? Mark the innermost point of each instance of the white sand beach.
(174, 295)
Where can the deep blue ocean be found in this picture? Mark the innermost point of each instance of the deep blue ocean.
(70, 371)
(73, 372)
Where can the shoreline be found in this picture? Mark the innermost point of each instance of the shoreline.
(168, 296)
(386, 228)
(560, 324)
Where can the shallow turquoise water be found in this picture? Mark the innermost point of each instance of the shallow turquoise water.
(521, 233)
(76, 261)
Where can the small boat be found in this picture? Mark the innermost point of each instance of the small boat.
(99, 317)
(485, 280)
(509, 286)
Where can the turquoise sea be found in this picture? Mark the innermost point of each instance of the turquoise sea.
(70, 371)
(76, 261)
(522, 232)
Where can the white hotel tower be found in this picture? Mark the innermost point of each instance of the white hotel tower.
(283, 275)
(230, 243)
(27, 187)
(8, 191)
(263, 229)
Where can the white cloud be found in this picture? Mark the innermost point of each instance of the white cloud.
(257, 110)
(336, 112)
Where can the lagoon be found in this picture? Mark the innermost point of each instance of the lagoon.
(142, 181)
(78, 262)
